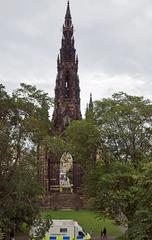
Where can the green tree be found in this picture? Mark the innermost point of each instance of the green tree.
(83, 138)
(39, 228)
(125, 128)
(116, 189)
(119, 184)
(141, 224)
(24, 122)
(125, 194)
(33, 106)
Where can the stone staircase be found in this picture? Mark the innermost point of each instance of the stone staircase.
(62, 201)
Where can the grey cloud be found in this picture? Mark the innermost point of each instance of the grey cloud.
(113, 40)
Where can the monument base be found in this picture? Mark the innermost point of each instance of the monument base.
(62, 200)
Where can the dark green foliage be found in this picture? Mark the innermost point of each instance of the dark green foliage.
(115, 189)
(121, 238)
(39, 228)
(124, 193)
(141, 224)
(1, 234)
(126, 128)
(114, 148)
(121, 182)
(83, 139)
(23, 124)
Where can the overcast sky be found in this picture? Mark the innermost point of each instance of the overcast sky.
(113, 41)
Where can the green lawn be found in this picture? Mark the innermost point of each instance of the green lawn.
(87, 219)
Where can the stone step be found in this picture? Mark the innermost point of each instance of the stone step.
(62, 201)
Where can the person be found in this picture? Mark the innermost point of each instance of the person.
(104, 234)
(12, 235)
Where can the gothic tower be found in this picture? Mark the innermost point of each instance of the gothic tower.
(67, 90)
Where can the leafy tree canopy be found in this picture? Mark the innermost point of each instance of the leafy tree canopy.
(83, 138)
(125, 124)
(120, 183)
(24, 122)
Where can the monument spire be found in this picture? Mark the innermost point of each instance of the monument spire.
(68, 14)
(67, 90)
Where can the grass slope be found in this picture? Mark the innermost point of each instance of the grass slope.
(87, 219)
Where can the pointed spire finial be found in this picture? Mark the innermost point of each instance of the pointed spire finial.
(68, 3)
(68, 14)
(91, 97)
(91, 103)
